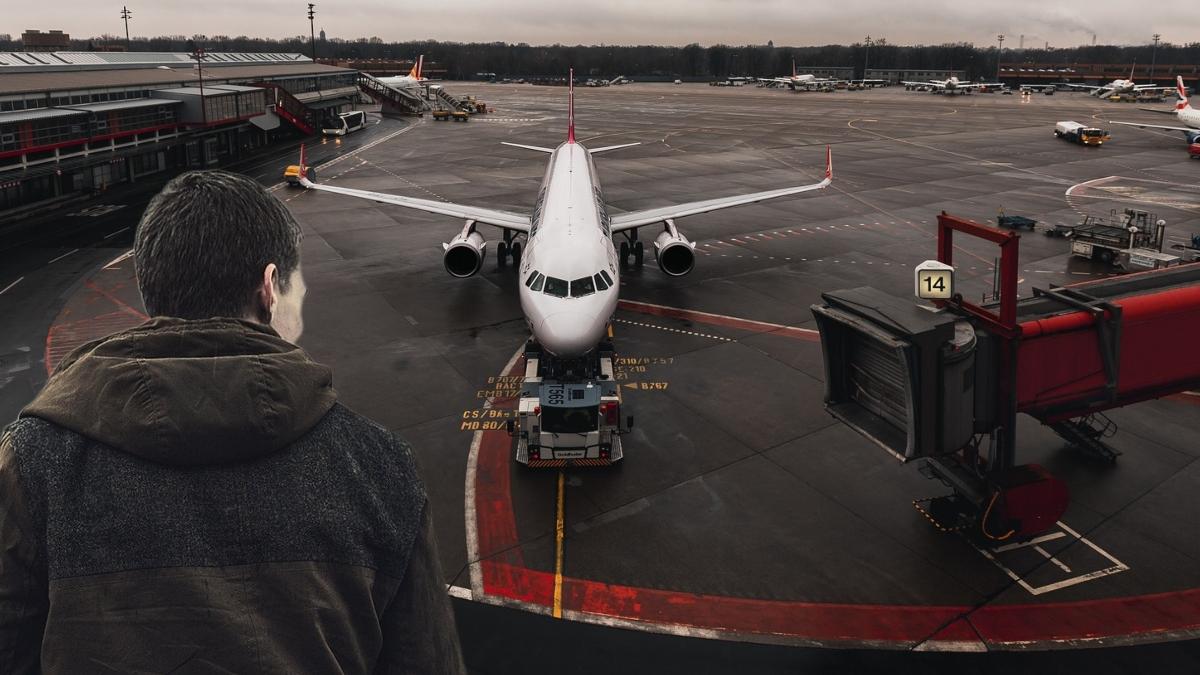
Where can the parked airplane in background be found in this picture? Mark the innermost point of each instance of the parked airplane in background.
(796, 81)
(570, 270)
(412, 79)
(1184, 112)
(1119, 87)
(952, 85)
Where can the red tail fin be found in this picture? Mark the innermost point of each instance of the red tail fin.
(415, 73)
(1181, 92)
(571, 105)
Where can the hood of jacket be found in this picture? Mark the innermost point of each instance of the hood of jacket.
(189, 393)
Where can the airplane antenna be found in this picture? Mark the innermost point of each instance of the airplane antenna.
(571, 105)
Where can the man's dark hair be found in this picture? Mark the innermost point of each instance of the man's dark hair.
(204, 241)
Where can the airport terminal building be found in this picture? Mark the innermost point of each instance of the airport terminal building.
(76, 123)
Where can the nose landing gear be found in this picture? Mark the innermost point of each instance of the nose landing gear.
(631, 248)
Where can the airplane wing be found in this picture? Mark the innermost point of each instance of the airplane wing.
(1086, 86)
(980, 84)
(1152, 87)
(1142, 125)
(939, 85)
(503, 219)
(628, 221)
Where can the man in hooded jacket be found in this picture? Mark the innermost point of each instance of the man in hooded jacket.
(189, 496)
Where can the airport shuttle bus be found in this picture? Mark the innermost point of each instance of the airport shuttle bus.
(345, 123)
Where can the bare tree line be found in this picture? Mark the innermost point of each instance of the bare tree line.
(464, 60)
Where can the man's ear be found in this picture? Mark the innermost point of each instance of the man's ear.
(267, 296)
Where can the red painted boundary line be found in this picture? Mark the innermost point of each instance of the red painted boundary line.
(806, 334)
(505, 576)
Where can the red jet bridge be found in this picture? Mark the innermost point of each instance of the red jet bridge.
(946, 385)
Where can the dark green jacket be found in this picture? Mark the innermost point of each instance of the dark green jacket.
(189, 497)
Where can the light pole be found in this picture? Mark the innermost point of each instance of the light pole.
(866, 55)
(198, 54)
(312, 30)
(126, 15)
(999, 51)
(1154, 57)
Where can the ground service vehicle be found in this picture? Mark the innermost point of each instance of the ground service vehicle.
(569, 412)
(1133, 238)
(345, 123)
(1078, 133)
(1194, 151)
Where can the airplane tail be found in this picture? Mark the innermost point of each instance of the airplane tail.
(1181, 92)
(793, 68)
(1131, 69)
(571, 105)
(301, 174)
(415, 73)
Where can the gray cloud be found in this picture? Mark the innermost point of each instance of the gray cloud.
(786, 22)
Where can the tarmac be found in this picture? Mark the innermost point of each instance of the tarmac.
(743, 513)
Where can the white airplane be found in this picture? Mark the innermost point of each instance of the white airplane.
(1184, 112)
(952, 85)
(412, 79)
(570, 271)
(1119, 87)
(796, 81)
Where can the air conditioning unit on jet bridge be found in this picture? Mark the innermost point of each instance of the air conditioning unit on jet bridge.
(911, 379)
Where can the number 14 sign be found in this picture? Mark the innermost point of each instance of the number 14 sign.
(934, 280)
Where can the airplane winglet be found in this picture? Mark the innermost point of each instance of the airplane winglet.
(303, 164)
(571, 105)
(828, 163)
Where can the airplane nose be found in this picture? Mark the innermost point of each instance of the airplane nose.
(567, 334)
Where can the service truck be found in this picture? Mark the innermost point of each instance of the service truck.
(1079, 133)
(569, 413)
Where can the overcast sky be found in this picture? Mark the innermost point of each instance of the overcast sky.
(679, 22)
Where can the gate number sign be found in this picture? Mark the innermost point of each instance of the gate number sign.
(934, 281)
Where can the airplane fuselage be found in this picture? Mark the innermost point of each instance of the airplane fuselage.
(569, 257)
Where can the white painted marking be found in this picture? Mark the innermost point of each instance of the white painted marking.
(411, 320)
(1061, 565)
(113, 234)
(472, 523)
(1116, 567)
(9, 287)
(118, 259)
(62, 256)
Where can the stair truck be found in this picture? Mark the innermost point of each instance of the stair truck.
(569, 411)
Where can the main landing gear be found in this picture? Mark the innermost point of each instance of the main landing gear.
(631, 248)
(509, 248)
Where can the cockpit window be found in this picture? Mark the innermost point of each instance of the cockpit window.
(533, 275)
(606, 277)
(556, 287)
(582, 287)
(601, 284)
(537, 283)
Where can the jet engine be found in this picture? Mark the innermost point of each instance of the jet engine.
(463, 255)
(676, 255)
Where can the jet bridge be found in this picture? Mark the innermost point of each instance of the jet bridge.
(945, 384)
